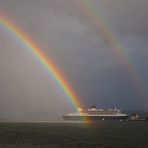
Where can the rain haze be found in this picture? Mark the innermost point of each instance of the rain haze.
(70, 33)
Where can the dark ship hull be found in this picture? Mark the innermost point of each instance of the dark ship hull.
(94, 118)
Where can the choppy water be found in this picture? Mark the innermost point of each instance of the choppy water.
(74, 135)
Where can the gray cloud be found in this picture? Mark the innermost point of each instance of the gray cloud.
(65, 33)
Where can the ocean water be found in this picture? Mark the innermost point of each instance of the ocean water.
(74, 135)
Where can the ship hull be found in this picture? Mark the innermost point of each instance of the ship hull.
(93, 118)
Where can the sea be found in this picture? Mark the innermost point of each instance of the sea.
(103, 134)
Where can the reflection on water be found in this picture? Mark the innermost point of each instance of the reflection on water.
(74, 135)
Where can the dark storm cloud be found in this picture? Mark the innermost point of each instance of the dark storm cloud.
(66, 34)
(127, 16)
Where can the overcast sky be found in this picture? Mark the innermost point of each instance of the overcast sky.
(67, 32)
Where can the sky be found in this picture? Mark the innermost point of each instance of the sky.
(100, 46)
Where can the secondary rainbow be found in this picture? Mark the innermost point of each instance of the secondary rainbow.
(111, 39)
(40, 55)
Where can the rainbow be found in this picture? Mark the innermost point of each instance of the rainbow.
(111, 39)
(40, 55)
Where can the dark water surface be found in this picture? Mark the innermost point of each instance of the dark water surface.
(74, 135)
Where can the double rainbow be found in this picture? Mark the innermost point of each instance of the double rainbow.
(103, 30)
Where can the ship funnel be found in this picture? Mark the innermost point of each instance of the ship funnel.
(93, 107)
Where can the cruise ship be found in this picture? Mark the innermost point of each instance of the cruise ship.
(95, 114)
